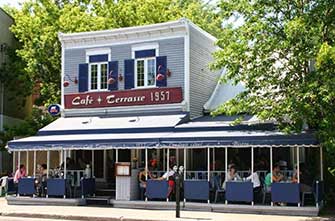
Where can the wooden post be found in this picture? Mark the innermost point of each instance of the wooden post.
(164, 157)
(92, 163)
(208, 166)
(252, 169)
(34, 163)
(177, 156)
(14, 163)
(167, 166)
(19, 159)
(27, 162)
(298, 168)
(48, 163)
(226, 167)
(271, 163)
(185, 158)
(146, 169)
(65, 164)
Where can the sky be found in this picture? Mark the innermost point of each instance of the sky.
(14, 3)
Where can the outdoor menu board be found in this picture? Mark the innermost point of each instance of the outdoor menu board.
(122, 169)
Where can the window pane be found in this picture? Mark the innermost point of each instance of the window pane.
(94, 77)
(151, 72)
(140, 73)
(103, 76)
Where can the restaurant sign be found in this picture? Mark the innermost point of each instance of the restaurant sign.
(124, 98)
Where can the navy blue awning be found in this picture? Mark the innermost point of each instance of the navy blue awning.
(233, 138)
(87, 141)
(199, 139)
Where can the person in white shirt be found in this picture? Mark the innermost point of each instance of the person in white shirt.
(169, 175)
(254, 178)
(256, 183)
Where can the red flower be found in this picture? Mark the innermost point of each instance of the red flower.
(160, 77)
(66, 83)
(111, 80)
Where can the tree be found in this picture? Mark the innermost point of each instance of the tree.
(38, 22)
(284, 53)
(38, 118)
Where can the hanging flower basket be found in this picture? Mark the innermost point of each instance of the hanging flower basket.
(111, 80)
(66, 83)
(160, 77)
(120, 77)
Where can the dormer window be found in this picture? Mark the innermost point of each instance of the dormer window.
(98, 76)
(144, 56)
(97, 70)
(145, 69)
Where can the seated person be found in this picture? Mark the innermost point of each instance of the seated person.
(142, 181)
(41, 180)
(231, 176)
(276, 177)
(20, 172)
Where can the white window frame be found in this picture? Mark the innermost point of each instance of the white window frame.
(97, 51)
(98, 76)
(146, 59)
(92, 52)
(140, 47)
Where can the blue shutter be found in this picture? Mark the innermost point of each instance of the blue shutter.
(161, 68)
(113, 72)
(83, 78)
(129, 73)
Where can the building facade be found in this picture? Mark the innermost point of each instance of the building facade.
(140, 96)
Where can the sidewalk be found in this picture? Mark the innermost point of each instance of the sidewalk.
(111, 214)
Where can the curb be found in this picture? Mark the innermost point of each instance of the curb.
(63, 217)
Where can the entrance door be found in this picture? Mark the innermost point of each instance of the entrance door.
(99, 164)
(110, 168)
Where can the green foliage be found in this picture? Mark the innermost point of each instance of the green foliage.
(38, 118)
(284, 53)
(331, 171)
(38, 22)
(17, 82)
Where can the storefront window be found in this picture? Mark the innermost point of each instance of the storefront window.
(98, 76)
(145, 72)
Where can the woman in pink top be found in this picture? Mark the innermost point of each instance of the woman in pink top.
(20, 172)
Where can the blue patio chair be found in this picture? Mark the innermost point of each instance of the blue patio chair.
(26, 186)
(56, 187)
(87, 186)
(11, 189)
(218, 188)
(196, 190)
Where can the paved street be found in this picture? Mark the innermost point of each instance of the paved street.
(108, 213)
(25, 219)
